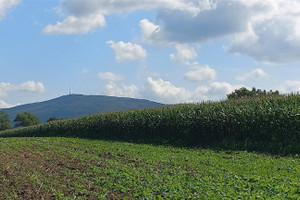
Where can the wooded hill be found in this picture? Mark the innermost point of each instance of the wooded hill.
(75, 105)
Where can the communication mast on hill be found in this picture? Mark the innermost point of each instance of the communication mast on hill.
(70, 91)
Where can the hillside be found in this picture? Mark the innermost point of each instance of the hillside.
(70, 106)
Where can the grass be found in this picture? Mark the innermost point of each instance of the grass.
(70, 168)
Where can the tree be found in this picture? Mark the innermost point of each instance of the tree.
(4, 121)
(54, 119)
(245, 93)
(26, 119)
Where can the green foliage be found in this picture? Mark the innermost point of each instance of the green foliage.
(54, 119)
(270, 124)
(245, 93)
(72, 168)
(4, 121)
(26, 119)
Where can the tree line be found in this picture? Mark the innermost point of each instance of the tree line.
(243, 93)
(22, 120)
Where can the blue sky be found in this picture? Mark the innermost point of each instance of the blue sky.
(170, 51)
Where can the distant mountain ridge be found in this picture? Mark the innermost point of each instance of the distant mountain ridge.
(75, 105)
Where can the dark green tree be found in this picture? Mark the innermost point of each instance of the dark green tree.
(245, 93)
(54, 119)
(26, 119)
(4, 121)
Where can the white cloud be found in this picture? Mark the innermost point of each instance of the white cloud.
(4, 88)
(290, 86)
(165, 91)
(215, 91)
(85, 16)
(3, 104)
(114, 89)
(254, 74)
(127, 51)
(272, 34)
(200, 73)
(73, 25)
(5, 5)
(221, 88)
(152, 34)
(224, 18)
(108, 76)
(268, 31)
(184, 54)
(82, 8)
(274, 40)
(30, 86)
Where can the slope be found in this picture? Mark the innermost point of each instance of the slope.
(75, 105)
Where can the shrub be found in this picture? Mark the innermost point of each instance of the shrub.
(4, 121)
(26, 119)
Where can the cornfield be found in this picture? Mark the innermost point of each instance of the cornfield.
(270, 124)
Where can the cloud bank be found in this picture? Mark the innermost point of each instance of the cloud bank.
(3, 104)
(29, 86)
(290, 86)
(166, 92)
(267, 31)
(86, 16)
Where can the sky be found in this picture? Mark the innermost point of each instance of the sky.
(168, 51)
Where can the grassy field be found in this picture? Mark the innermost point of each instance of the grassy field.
(69, 168)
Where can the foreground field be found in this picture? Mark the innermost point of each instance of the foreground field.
(67, 168)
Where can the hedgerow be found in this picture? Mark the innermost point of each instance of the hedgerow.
(269, 124)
